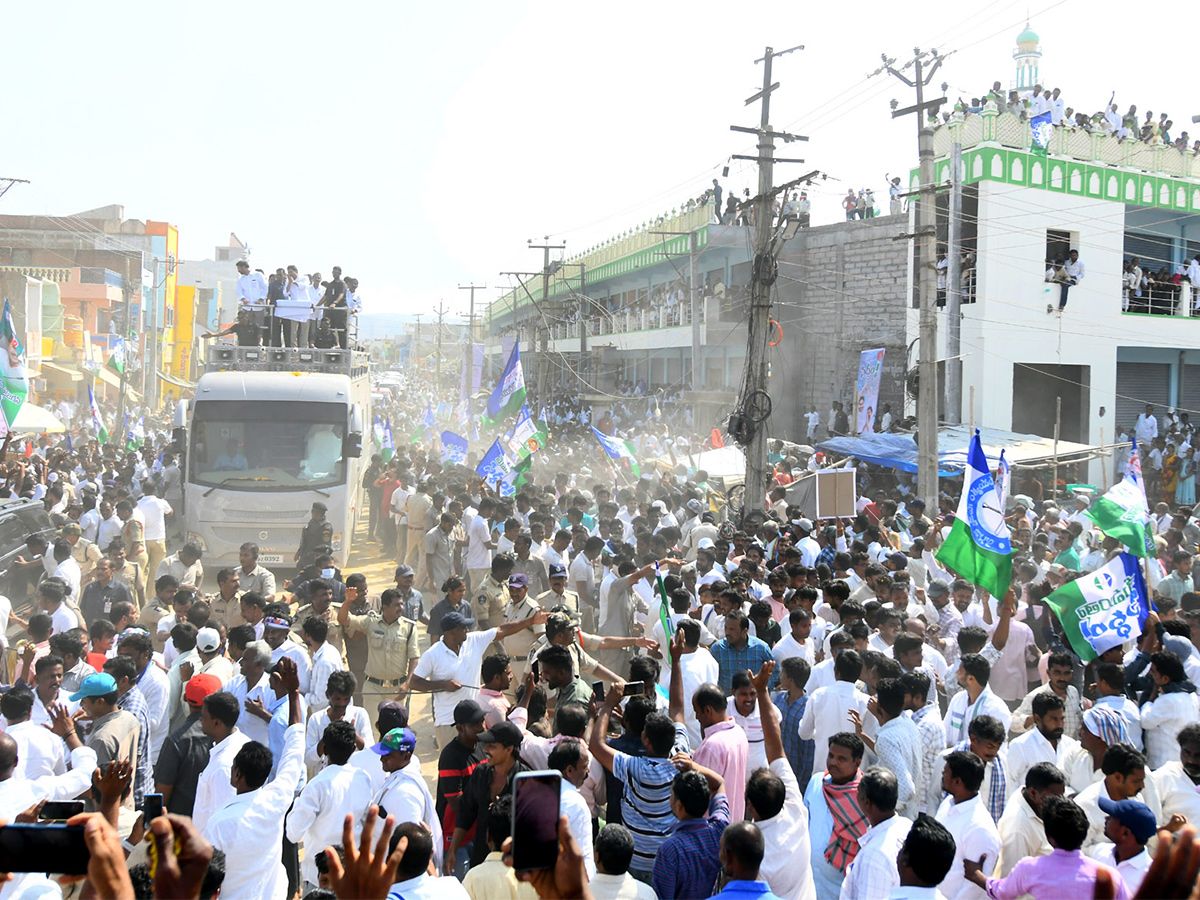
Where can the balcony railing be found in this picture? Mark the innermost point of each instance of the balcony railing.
(1161, 300)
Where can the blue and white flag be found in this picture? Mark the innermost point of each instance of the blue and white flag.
(978, 547)
(1042, 128)
(509, 395)
(430, 421)
(454, 448)
(389, 449)
(618, 449)
(1004, 474)
(377, 428)
(494, 465)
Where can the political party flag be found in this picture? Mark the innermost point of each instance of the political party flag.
(509, 395)
(1104, 608)
(527, 436)
(454, 448)
(430, 421)
(97, 421)
(1042, 129)
(70, 447)
(978, 547)
(514, 478)
(618, 449)
(14, 377)
(494, 465)
(116, 361)
(389, 449)
(1123, 513)
(664, 612)
(377, 430)
(1005, 479)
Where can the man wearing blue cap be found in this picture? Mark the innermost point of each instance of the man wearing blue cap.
(115, 732)
(404, 793)
(1129, 824)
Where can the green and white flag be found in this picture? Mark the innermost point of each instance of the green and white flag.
(528, 435)
(617, 450)
(97, 422)
(1123, 513)
(978, 547)
(116, 362)
(664, 613)
(1103, 609)
(14, 377)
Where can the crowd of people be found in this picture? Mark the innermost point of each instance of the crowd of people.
(776, 707)
(1107, 121)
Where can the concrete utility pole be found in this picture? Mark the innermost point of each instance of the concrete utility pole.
(954, 372)
(441, 314)
(471, 315)
(544, 325)
(755, 402)
(926, 245)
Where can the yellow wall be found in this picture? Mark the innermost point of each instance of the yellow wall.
(182, 339)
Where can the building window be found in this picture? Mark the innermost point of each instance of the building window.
(1058, 246)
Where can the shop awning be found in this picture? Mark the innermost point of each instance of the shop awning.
(57, 370)
(178, 382)
(33, 419)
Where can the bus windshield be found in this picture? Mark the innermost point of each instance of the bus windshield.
(257, 445)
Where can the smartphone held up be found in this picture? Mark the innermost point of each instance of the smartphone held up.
(535, 820)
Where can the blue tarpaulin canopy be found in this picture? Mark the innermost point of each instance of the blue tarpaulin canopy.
(899, 451)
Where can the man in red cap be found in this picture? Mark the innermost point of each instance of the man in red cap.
(185, 751)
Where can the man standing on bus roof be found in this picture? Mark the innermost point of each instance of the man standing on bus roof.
(317, 533)
(251, 292)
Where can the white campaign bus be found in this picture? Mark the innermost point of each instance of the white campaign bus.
(270, 432)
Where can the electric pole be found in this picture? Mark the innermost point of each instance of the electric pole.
(926, 269)
(472, 287)
(544, 326)
(755, 402)
(441, 315)
(417, 341)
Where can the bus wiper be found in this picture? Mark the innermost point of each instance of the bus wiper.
(319, 491)
(234, 478)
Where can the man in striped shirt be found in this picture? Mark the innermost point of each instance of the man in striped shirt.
(647, 780)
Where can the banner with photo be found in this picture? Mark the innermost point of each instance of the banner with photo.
(870, 368)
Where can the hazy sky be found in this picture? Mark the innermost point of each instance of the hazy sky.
(420, 146)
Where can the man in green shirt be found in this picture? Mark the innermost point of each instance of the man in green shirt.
(554, 666)
(1067, 557)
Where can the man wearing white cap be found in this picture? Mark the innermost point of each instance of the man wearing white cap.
(212, 661)
(807, 545)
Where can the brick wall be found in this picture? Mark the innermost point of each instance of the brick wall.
(840, 290)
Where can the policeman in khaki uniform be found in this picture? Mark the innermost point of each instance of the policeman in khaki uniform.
(558, 595)
(320, 605)
(520, 606)
(225, 603)
(491, 597)
(392, 646)
(84, 551)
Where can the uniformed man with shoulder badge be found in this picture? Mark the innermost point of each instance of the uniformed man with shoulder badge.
(520, 606)
(491, 597)
(392, 647)
(558, 595)
(84, 551)
(317, 533)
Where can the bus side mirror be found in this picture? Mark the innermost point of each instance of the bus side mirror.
(352, 449)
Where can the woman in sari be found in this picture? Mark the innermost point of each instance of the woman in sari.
(1185, 492)
(1170, 473)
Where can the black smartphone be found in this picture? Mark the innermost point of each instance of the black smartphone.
(536, 675)
(60, 810)
(51, 848)
(598, 691)
(152, 808)
(634, 689)
(535, 820)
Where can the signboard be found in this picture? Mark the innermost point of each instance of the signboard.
(870, 367)
(836, 494)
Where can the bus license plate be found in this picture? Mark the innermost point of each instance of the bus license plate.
(270, 559)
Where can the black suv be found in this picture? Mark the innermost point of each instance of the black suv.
(18, 520)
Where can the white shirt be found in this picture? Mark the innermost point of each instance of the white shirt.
(961, 712)
(1162, 719)
(320, 810)
(1022, 834)
(314, 730)
(1089, 801)
(789, 647)
(440, 663)
(479, 555)
(874, 871)
(696, 669)
(253, 726)
(39, 750)
(898, 748)
(620, 887)
(252, 288)
(752, 725)
(582, 570)
(298, 654)
(325, 662)
(155, 510)
(108, 531)
(405, 795)
(156, 688)
(1178, 793)
(975, 835)
(426, 887)
(827, 713)
(579, 819)
(249, 828)
(1133, 870)
(63, 619)
(786, 865)
(213, 789)
(1146, 429)
(1030, 749)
